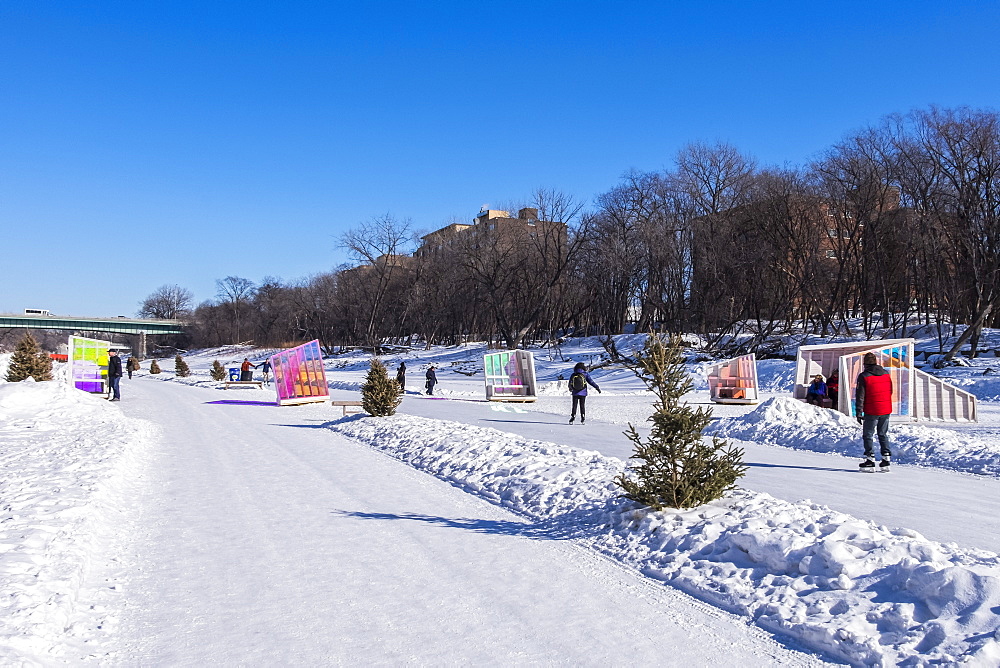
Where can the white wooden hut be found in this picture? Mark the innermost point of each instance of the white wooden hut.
(510, 376)
(916, 395)
(734, 381)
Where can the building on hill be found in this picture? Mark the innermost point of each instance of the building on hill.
(494, 222)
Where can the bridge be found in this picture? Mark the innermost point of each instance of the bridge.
(78, 324)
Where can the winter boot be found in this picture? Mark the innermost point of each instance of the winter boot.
(867, 466)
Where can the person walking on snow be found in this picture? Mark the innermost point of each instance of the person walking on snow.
(245, 372)
(131, 365)
(873, 405)
(816, 392)
(401, 377)
(578, 382)
(114, 374)
(431, 380)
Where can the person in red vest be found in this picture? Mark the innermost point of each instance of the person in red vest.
(873, 404)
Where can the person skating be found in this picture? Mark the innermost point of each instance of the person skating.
(431, 380)
(816, 391)
(114, 375)
(873, 405)
(265, 368)
(401, 377)
(245, 370)
(578, 382)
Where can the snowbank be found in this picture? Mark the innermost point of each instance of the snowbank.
(64, 458)
(862, 593)
(794, 424)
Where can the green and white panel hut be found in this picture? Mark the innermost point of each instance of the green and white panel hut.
(510, 376)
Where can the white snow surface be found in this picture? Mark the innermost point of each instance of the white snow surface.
(66, 460)
(862, 593)
(793, 424)
(116, 531)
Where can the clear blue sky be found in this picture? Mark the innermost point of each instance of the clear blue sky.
(150, 143)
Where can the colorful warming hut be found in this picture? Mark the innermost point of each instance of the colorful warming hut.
(299, 377)
(510, 376)
(734, 381)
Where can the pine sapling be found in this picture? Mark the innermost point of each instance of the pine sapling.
(181, 369)
(379, 393)
(218, 371)
(154, 368)
(29, 360)
(680, 468)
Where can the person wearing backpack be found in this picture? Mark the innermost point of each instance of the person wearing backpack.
(578, 382)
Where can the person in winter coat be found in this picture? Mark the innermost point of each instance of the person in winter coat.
(245, 370)
(873, 404)
(431, 380)
(816, 391)
(265, 368)
(114, 375)
(401, 377)
(578, 382)
(131, 365)
(833, 389)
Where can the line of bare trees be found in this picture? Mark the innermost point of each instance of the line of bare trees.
(896, 224)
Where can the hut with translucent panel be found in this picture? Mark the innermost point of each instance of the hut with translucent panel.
(88, 364)
(510, 376)
(299, 377)
(915, 395)
(734, 381)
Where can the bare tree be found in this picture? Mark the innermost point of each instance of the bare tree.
(167, 301)
(378, 246)
(236, 293)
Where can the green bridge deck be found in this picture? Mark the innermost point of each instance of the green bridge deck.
(73, 323)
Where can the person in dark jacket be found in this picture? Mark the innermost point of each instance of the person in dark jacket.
(578, 382)
(401, 377)
(816, 392)
(873, 405)
(265, 368)
(833, 389)
(131, 365)
(431, 380)
(114, 375)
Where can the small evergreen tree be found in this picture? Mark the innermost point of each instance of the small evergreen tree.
(181, 369)
(679, 469)
(218, 371)
(29, 360)
(379, 393)
(154, 367)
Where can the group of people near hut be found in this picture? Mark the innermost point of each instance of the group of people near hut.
(819, 390)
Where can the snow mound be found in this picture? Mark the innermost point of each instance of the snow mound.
(793, 424)
(67, 458)
(863, 593)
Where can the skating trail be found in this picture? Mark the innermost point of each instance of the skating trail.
(943, 505)
(269, 540)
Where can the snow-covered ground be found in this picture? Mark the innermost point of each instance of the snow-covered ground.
(866, 569)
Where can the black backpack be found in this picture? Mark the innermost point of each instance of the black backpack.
(577, 382)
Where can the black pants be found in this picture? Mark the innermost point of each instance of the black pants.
(582, 402)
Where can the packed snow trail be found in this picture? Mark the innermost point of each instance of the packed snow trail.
(270, 540)
(942, 505)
